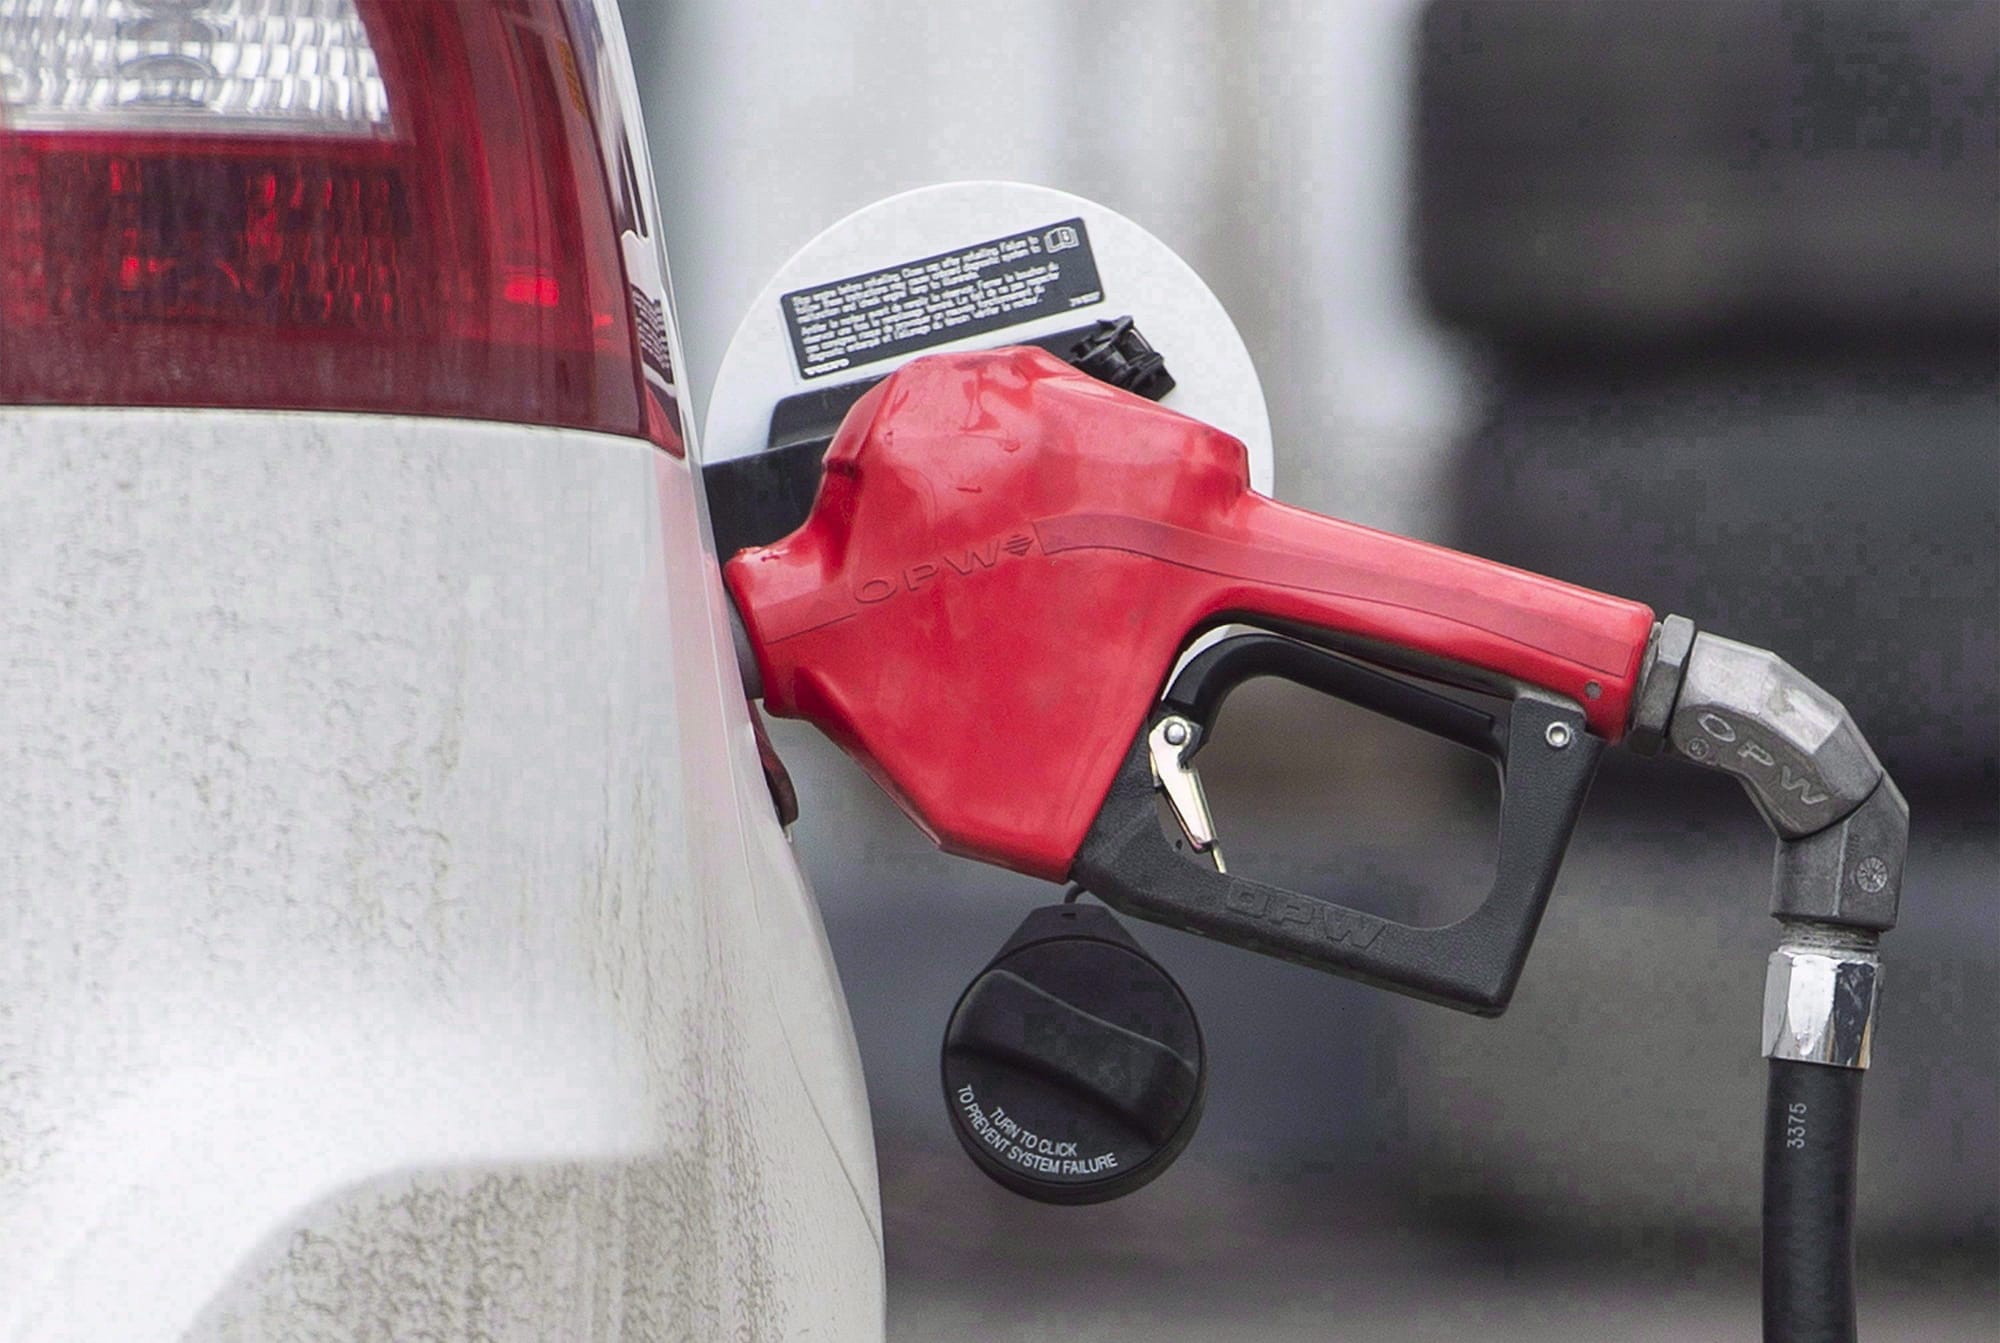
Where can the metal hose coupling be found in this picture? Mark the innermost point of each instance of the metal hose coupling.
(1820, 992)
(1841, 823)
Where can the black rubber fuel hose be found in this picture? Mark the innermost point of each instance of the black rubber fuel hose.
(1812, 1123)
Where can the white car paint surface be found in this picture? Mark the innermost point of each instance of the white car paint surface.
(396, 938)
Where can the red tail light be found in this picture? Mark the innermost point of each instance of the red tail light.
(372, 205)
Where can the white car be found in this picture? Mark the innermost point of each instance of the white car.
(397, 936)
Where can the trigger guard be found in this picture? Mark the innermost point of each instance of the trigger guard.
(1471, 965)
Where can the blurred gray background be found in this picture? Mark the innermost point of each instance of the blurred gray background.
(1696, 302)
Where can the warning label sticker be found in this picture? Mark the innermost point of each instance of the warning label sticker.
(899, 310)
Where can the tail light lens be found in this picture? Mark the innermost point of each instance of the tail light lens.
(372, 205)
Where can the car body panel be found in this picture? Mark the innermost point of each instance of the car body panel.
(397, 937)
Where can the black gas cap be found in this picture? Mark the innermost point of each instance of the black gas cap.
(1073, 1065)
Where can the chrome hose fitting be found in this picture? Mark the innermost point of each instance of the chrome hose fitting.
(1820, 992)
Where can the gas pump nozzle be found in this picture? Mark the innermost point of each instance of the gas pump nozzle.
(992, 604)
(1006, 559)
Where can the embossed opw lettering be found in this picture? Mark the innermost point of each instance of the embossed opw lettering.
(974, 559)
(1294, 912)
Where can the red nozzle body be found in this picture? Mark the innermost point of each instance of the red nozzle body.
(1006, 557)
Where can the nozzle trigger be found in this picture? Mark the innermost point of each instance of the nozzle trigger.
(1171, 743)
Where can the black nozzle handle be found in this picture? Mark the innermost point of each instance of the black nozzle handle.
(1546, 758)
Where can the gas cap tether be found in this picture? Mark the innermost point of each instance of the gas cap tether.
(1073, 1065)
